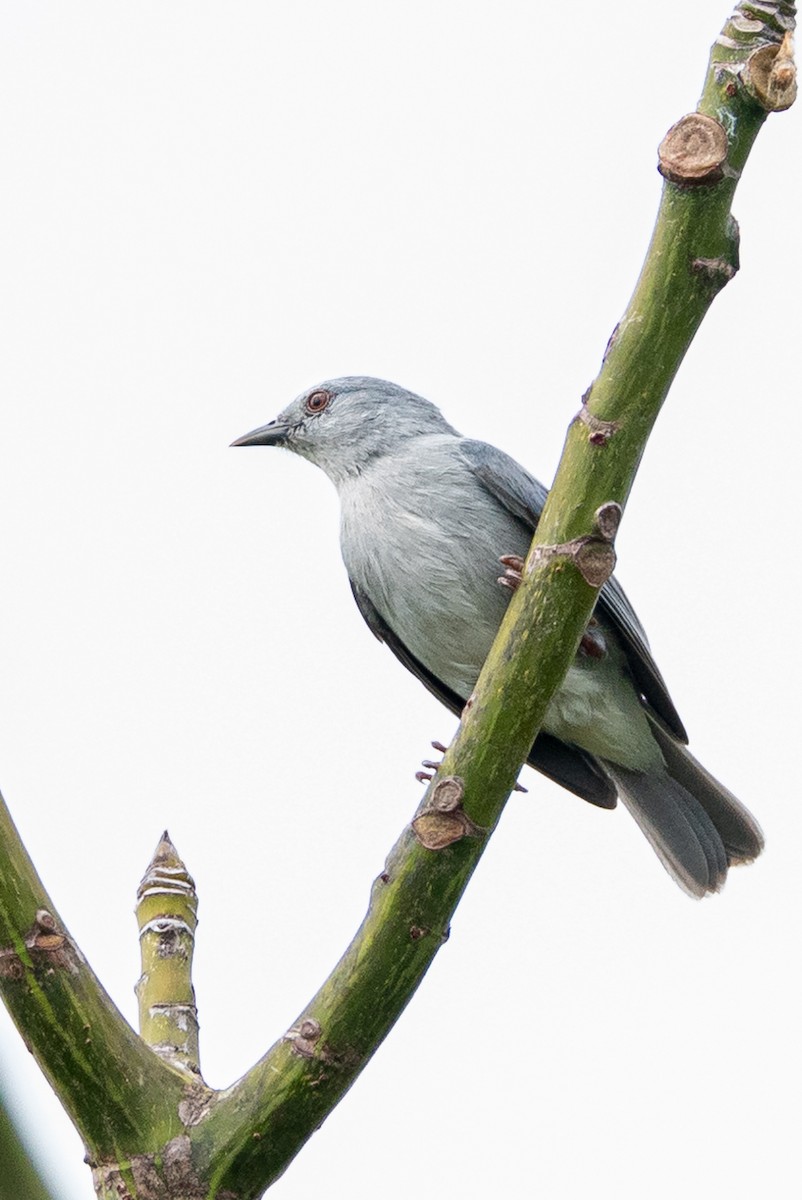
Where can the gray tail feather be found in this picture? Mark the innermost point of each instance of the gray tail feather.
(738, 829)
(695, 825)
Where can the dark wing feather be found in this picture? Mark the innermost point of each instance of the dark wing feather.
(524, 496)
(614, 607)
(569, 766)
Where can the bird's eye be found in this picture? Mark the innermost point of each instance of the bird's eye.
(317, 401)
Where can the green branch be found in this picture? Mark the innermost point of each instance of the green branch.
(255, 1129)
(153, 1130)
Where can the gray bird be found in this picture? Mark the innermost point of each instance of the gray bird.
(425, 516)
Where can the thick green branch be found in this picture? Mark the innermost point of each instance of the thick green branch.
(253, 1131)
(150, 1132)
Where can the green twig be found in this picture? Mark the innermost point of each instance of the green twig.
(167, 913)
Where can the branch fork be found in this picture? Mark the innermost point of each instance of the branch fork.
(153, 1130)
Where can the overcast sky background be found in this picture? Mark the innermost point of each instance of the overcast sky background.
(207, 208)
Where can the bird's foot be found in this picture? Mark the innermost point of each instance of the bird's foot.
(513, 575)
(431, 768)
(593, 644)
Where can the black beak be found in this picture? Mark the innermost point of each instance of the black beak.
(272, 434)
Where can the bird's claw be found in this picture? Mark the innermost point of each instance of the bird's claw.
(593, 644)
(431, 766)
(513, 575)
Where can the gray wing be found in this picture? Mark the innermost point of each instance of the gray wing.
(569, 766)
(524, 496)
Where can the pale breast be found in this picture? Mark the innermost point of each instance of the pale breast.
(422, 537)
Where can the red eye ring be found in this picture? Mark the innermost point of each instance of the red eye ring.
(318, 400)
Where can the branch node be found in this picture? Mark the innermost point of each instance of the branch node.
(310, 1029)
(304, 1037)
(593, 556)
(607, 518)
(715, 271)
(599, 431)
(443, 820)
(694, 151)
(595, 561)
(448, 794)
(48, 946)
(769, 75)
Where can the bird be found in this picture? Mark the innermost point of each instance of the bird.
(425, 516)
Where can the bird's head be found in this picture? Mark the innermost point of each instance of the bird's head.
(342, 425)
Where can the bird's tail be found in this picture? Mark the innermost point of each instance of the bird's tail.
(695, 825)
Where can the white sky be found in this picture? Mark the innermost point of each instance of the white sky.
(208, 207)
